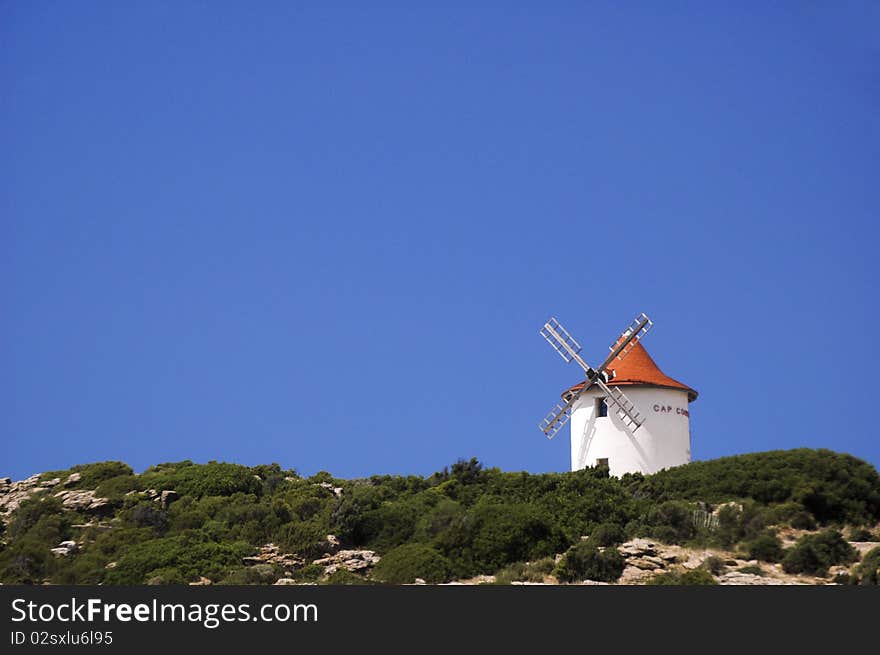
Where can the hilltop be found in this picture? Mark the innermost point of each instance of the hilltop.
(798, 516)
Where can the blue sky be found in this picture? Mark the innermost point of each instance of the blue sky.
(327, 236)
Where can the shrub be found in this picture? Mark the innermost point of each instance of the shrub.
(815, 553)
(192, 555)
(671, 522)
(211, 479)
(116, 487)
(831, 486)
(752, 569)
(803, 521)
(309, 573)
(148, 515)
(26, 562)
(165, 576)
(404, 564)
(42, 511)
(608, 534)
(694, 577)
(494, 534)
(715, 565)
(525, 571)
(861, 534)
(766, 547)
(345, 577)
(259, 574)
(91, 475)
(584, 561)
(306, 538)
(868, 570)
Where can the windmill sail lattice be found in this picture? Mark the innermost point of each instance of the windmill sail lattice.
(569, 349)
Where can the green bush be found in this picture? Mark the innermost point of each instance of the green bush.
(165, 576)
(861, 534)
(345, 577)
(493, 534)
(831, 486)
(26, 562)
(608, 534)
(803, 521)
(147, 514)
(117, 487)
(404, 564)
(525, 571)
(752, 569)
(694, 577)
(259, 574)
(192, 555)
(309, 573)
(584, 561)
(42, 518)
(766, 547)
(671, 522)
(868, 570)
(91, 475)
(715, 565)
(815, 553)
(211, 479)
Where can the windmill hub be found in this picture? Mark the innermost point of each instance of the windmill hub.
(629, 432)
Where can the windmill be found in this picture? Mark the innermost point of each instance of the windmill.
(607, 426)
(569, 349)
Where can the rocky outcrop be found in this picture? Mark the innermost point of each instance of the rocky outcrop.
(645, 557)
(13, 493)
(350, 560)
(84, 500)
(270, 554)
(739, 578)
(337, 491)
(65, 548)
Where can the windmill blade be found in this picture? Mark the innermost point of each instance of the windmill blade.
(563, 343)
(627, 340)
(559, 415)
(623, 406)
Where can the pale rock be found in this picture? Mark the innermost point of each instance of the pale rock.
(83, 500)
(350, 560)
(201, 582)
(269, 554)
(73, 478)
(644, 564)
(638, 547)
(337, 491)
(65, 548)
(284, 581)
(167, 497)
(738, 578)
(50, 483)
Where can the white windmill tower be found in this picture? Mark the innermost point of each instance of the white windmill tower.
(648, 428)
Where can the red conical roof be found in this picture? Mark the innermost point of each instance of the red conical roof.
(637, 368)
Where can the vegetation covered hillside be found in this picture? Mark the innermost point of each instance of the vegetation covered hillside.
(225, 523)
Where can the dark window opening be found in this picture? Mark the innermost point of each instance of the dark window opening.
(601, 408)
